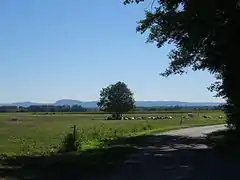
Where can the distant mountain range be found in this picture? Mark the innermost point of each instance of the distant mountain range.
(92, 104)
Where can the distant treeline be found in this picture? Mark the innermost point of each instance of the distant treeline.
(178, 108)
(43, 108)
(78, 108)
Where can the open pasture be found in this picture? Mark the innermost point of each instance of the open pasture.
(27, 133)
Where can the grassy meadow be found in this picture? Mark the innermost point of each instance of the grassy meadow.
(37, 134)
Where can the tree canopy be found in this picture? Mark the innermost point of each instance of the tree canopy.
(197, 28)
(206, 36)
(116, 99)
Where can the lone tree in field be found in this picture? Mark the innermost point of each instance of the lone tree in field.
(206, 37)
(116, 99)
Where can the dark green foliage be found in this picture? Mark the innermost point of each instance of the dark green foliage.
(70, 142)
(116, 99)
(225, 141)
(206, 36)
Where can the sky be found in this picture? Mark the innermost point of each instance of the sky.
(50, 50)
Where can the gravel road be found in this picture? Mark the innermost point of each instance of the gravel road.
(195, 131)
(178, 154)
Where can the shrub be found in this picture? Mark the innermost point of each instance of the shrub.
(70, 142)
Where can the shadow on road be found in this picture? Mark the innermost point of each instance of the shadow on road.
(88, 164)
(175, 157)
(150, 157)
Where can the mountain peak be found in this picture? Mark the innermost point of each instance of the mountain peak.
(70, 102)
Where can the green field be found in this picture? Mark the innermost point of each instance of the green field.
(34, 134)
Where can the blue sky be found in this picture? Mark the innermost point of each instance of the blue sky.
(71, 49)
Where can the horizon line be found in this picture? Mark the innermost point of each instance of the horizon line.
(52, 102)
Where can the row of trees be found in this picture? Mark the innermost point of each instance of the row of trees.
(76, 108)
(43, 108)
(179, 108)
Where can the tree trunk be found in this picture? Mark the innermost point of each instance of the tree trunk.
(231, 74)
(231, 86)
(118, 116)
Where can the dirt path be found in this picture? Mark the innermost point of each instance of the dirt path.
(181, 154)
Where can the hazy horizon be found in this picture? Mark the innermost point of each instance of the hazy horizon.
(50, 102)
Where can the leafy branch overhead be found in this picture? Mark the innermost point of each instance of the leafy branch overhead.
(193, 26)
